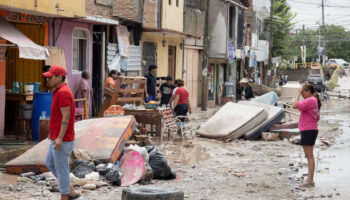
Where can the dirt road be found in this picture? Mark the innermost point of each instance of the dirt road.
(210, 169)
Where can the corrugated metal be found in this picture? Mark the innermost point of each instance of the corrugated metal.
(134, 60)
(112, 51)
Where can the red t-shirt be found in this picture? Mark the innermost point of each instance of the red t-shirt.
(183, 95)
(62, 97)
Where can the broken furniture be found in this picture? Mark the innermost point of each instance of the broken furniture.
(147, 116)
(173, 124)
(128, 90)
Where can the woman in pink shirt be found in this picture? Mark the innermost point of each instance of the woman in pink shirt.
(310, 115)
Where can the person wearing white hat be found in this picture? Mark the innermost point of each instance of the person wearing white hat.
(245, 91)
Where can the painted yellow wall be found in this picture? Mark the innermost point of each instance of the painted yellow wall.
(173, 16)
(67, 8)
(162, 52)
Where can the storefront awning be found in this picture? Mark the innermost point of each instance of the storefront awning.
(27, 48)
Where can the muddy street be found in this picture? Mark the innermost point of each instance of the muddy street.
(239, 169)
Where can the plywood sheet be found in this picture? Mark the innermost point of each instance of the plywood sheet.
(105, 138)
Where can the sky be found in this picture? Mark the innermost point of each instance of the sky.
(309, 12)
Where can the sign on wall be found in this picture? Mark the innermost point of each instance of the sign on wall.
(123, 41)
(105, 2)
(231, 51)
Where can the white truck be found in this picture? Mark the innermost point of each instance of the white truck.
(340, 62)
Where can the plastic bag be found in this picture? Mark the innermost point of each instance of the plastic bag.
(81, 168)
(141, 150)
(114, 175)
(159, 164)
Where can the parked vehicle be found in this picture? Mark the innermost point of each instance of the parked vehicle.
(340, 62)
(317, 81)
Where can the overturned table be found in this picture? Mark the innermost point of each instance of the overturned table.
(147, 116)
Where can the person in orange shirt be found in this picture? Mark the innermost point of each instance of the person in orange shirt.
(110, 82)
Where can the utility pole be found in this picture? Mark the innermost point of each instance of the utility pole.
(303, 48)
(205, 62)
(270, 67)
(324, 34)
(319, 44)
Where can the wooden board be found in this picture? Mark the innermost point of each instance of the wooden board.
(57, 57)
(132, 92)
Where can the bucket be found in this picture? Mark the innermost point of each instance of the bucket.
(42, 103)
(36, 86)
(26, 111)
(28, 89)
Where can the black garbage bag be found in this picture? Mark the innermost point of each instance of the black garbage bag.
(103, 170)
(159, 164)
(37, 178)
(81, 167)
(114, 175)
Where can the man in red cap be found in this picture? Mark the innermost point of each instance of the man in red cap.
(61, 131)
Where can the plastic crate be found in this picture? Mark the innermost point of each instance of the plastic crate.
(113, 111)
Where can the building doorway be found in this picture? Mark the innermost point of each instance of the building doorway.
(172, 61)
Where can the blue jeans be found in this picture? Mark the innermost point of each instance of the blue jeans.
(58, 163)
(151, 98)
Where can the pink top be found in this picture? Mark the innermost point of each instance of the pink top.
(310, 114)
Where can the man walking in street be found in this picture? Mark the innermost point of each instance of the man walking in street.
(151, 83)
(61, 131)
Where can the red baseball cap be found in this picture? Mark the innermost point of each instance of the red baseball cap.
(55, 70)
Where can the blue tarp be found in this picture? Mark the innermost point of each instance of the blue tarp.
(270, 98)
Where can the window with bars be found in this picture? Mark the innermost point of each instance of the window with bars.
(80, 50)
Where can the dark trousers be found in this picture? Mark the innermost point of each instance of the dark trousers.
(181, 110)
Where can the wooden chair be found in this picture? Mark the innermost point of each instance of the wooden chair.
(78, 113)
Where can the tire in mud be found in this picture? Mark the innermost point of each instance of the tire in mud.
(152, 193)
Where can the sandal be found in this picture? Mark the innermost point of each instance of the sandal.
(307, 184)
(70, 197)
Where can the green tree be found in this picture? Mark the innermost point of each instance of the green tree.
(337, 43)
(282, 26)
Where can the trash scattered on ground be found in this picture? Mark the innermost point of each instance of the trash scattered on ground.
(114, 175)
(295, 140)
(159, 164)
(268, 136)
(80, 168)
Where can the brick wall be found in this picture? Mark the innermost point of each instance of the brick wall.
(194, 21)
(150, 13)
(98, 10)
(130, 9)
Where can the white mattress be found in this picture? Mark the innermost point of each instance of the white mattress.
(273, 113)
(232, 121)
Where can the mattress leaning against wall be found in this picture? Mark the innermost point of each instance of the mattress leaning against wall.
(232, 121)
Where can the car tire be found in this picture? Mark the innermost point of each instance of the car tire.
(152, 193)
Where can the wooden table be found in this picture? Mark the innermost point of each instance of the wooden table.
(147, 116)
(22, 98)
(13, 111)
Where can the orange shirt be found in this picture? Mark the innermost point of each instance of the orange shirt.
(109, 82)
